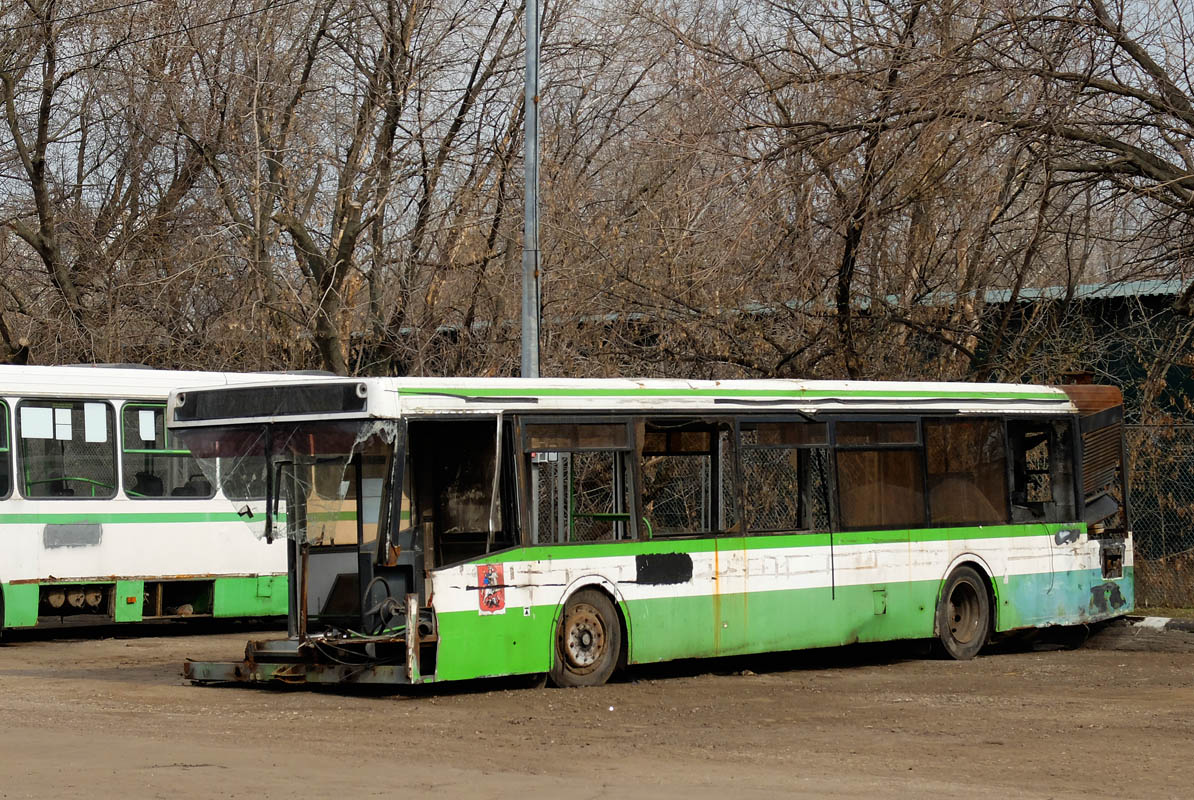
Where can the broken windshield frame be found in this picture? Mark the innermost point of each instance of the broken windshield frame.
(291, 447)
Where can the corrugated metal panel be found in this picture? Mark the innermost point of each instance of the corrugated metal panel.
(1102, 453)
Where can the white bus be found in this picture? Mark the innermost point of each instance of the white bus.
(105, 518)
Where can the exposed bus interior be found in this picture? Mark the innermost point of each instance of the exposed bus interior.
(461, 476)
(785, 475)
(1103, 477)
(1042, 461)
(94, 601)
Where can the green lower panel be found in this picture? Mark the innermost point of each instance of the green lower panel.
(697, 627)
(520, 641)
(20, 605)
(258, 596)
(473, 645)
(128, 601)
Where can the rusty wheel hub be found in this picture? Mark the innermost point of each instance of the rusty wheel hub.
(584, 637)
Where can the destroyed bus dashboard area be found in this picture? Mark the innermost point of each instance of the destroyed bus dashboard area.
(448, 529)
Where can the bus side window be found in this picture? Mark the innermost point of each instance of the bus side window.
(686, 480)
(785, 467)
(880, 475)
(1041, 470)
(154, 465)
(66, 449)
(580, 481)
(966, 465)
(5, 454)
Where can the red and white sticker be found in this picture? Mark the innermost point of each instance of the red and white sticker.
(491, 589)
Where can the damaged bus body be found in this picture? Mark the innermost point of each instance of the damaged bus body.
(447, 529)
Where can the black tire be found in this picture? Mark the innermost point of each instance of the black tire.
(963, 614)
(588, 641)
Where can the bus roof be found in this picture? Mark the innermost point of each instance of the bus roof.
(294, 397)
(130, 382)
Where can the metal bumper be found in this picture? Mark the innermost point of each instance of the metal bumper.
(295, 673)
(324, 659)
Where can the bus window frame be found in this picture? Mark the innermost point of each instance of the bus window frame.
(918, 446)
(740, 448)
(526, 421)
(1072, 423)
(129, 405)
(632, 452)
(6, 449)
(113, 445)
(717, 423)
(1001, 421)
(419, 511)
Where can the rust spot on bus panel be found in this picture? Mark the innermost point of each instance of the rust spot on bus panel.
(114, 578)
(1091, 399)
(1106, 596)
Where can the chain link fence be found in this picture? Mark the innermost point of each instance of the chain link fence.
(1161, 464)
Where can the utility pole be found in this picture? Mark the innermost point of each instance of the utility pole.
(530, 231)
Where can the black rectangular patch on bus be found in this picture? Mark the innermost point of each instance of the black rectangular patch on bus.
(285, 400)
(659, 569)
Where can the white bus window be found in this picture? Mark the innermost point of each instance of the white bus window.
(60, 452)
(155, 465)
(95, 422)
(62, 423)
(37, 422)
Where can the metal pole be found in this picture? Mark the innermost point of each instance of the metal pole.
(530, 233)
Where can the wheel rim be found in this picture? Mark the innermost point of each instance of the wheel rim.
(583, 638)
(965, 612)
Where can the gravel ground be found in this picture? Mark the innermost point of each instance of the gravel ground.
(111, 717)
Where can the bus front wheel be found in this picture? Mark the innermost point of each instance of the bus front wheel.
(588, 641)
(963, 614)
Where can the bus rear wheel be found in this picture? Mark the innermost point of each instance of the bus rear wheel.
(963, 614)
(588, 641)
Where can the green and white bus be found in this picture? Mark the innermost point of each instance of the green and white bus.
(105, 518)
(447, 529)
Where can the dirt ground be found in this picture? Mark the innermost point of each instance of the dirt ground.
(111, 717)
